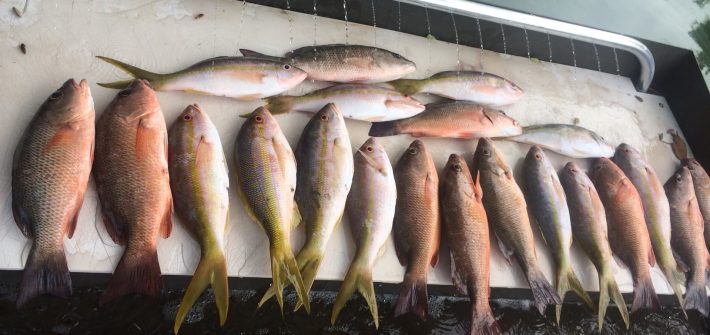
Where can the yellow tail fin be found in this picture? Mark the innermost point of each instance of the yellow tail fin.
(607, 288)
(151, 77)
(283, 262)
(407, 86)
(359, 277)
(566, 281)
(308, 260)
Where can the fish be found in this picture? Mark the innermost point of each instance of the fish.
(133, 185)
(323, 179)
(266, 175)
(548, 205)
(241, 78)
(628, 234)
(465, 226)
(508, 216)
(656, 211)
(370, 209)
(199, 182)
(569, 140)
(589, 230)
(480, 87)
(457, 119)
(687, 239)
(356, 101)
(345, 63)
(417, 226)
(701, 183)
(50, 173)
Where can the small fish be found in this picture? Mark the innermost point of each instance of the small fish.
(701, 183)
(417, 227)
(345, 63)
(589, 228)
(628, 234)
(50, 172)
(355, 101)
(200, 185)
(656, 211)
(266, 175)
(234, 77)
(508, 215)
(569, 140)
(466, 231)
(370, 208)
(324, 176)
(548, 204)
(457, 119)
(480, 87)
(132, 181)
(687, 239)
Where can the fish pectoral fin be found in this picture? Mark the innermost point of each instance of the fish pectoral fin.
(682, 265)
(456, 277)
(359, 62)
(507, 252)
(22, 221)
(114, 228)
(166, 225)
(651, 255)
(297, 218)
(71, 227)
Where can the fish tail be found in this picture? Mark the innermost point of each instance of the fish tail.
(567, 280)
(542, 291)
(386, 128)
(645, 295)
(212, 270)
(44, 274)
(359, 277)
(283, 263)
(135, 273)
(254, 54)
(696, 297)
(674, 277)
(608, 288)
(308, 260)
(407, 86)
(413, 297)
(483, 321)
(137, 73)
(279, 104)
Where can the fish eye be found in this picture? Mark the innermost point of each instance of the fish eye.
(597, 167)
(259, 118)
(187, 117)
(324, 117)
(678, 178)
(397, 56)
(486, 152)
(515, 123)
(412, 151)
(627, 150)
(56, 95)
(457, 168)
(537, 156)
(287, 67)
(369, 149)
(125, 93)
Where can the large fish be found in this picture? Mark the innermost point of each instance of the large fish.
(266, 174)
(569, 140)
(325, 173)
(701, 183)
(234, 77)
(370, 208)
(589, 228)
(548, 204)
(656, 211)
(200, 185)
(345, 63)
(508, 215)
(50, 171)
(417, 227)
(355, 101)
(483, 88)
(457, 119)
(131, 173)
(687, 238)
(466, 231)
(628, 234)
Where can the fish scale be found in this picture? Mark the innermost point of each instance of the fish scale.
(701, 183)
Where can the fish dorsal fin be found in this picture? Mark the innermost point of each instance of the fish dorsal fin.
(456, 277)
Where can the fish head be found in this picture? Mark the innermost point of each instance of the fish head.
(330, 121)
(260, 123)
(286, 74)
(372, 154)
(696, 170)
(416, 157)
(194, 121)
(70, 103)
(627, 156)
(604, 171)
(510, 90)
(536, 162)
(506, 125)
(401, 104)
(486, 158)
(679, 187)
(456, 173)
(395, 63)
(133, 101)
(571, 173)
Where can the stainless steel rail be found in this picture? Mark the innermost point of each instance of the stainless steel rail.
(558, 28)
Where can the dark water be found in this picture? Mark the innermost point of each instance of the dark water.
(448, 315)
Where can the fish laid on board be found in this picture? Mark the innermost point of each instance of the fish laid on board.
(483, 88)
(589, 228)
(508, 215)
(345, 63)
(131, 173)
(628, 234)
(200, 185)
(370, 208)
(548, 204)
(701, 183)
(687, 238)
(569, 140)
(417, 227)
(656, 211)
(457, 119)
(241, 78)
(50, 171)
(325, 172)
(465, 226)
(266, 176)
(355, 101)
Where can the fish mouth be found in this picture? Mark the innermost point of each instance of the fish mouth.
(82, 86)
